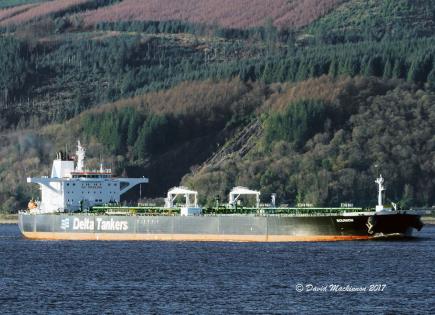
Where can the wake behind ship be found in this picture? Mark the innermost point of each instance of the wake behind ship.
(80, 204)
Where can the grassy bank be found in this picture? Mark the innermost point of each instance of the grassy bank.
(8, 218)
(428, 220)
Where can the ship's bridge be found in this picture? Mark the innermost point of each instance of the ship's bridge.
(73, 187)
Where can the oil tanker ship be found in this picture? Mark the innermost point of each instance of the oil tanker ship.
(81, 204)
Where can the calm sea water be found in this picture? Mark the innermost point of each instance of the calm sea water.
(82, 277)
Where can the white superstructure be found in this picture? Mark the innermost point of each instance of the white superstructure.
(71, 187)
(189, 208)
(239, 190)
(381, 188)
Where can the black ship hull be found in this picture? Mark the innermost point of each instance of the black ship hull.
(239, 227)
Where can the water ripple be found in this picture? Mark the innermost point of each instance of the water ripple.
(76, 277)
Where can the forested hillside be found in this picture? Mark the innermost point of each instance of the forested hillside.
(377, 20)
(301, 98)
(323, 148)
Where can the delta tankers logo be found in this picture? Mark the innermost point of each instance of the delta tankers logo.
(64, 224)
(99, 224)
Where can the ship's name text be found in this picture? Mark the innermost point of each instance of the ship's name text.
(344, 220)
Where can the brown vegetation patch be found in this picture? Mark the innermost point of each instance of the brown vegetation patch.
(227, 13)
(323, 88)
(10, 12)
(35, 11)
(185, 97)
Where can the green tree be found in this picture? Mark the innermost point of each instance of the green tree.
(299, 122)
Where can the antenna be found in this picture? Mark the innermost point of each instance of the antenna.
(101, 164)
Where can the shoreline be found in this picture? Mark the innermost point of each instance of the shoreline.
(428, 220)
(8, 218)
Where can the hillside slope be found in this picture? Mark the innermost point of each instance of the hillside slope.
(26, 13)
(344, 128)
(227, 13)
(377, 19)
(161, 135)
(280, 103)
(18, 13)
(4, 4)
(326, 148)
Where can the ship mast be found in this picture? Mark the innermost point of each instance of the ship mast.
(381, 188)
(80, 153)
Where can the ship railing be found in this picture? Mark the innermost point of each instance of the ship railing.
(283, 211)
(134, 210)
(153, 210)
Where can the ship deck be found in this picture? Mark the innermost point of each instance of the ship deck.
(245, 211)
